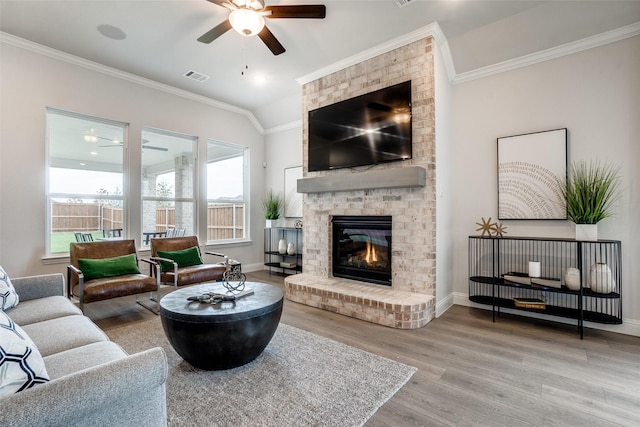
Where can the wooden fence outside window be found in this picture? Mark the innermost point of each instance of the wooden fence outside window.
(224, 220)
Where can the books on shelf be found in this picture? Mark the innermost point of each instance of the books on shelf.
(524, 279)
(549, 283)
(535, 303)
(288, 264)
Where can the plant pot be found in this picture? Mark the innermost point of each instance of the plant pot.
(588, 232)
(601, 279)
(572, 279)
(270, 223)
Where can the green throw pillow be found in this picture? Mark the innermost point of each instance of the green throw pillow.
(108, 267)
(184, 258)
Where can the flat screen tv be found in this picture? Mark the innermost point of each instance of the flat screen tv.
(366, 130)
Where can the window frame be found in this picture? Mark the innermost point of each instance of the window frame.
(49, 196)
(244, 152)
(194, 180)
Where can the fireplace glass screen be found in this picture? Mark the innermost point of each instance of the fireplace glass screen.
(362, 248)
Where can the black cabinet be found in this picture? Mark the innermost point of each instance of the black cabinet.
(283, 258)
(499, 276)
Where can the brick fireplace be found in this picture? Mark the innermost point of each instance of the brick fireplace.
(384, 190)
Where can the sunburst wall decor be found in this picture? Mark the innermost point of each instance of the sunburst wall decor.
(531, 170)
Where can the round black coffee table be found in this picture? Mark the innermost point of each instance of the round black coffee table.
(224, 335)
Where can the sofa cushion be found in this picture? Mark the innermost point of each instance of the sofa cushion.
(40, 309)
(108, 267)
(56, 335)
(8, 295)
(184, 258)
(21, 365)
(83, 357)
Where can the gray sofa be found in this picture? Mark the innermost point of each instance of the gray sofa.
(93, 381)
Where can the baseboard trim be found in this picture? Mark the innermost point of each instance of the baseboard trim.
(445, 304)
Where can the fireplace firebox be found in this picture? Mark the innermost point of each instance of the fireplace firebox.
(362, 248)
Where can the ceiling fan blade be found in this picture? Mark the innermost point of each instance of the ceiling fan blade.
(215, 32)
(311, 11)
(151, 147)
(224, 3)
(270, 40)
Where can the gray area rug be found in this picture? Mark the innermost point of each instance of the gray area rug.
(301, 379)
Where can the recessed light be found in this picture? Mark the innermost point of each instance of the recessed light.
(259, 79)
(93, 153)
(111, 32)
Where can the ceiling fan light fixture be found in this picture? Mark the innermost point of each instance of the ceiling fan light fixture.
(246, 21)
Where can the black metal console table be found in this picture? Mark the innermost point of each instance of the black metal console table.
(496, 265)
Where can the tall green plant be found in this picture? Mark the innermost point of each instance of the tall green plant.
(272, 204)
(590, 191)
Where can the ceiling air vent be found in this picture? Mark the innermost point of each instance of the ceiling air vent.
(402, 3)
(194, 75)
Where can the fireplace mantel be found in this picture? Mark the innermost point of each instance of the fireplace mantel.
(413, 176)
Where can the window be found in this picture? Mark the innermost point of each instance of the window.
(227, 179)
(168, 177)
(85, 178)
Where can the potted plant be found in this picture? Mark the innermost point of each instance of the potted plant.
(590, 192)
(272, 204)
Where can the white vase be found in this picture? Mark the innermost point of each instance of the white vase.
(282, 246)
(572, 278)
(588, 232)
(601, 279)
(291, 248)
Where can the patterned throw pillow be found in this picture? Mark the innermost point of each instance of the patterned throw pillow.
(8, 295)
(21, 365)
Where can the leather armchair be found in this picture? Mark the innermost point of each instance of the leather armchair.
(188, 275)
(115, 286)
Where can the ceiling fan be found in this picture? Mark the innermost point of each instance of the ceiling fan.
(247, 18)
(116, 143)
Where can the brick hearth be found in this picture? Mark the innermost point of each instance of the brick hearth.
(373, 303)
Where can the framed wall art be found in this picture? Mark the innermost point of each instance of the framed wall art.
(531, 170)
(292, 199)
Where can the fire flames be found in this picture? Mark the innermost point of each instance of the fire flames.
(371, 255)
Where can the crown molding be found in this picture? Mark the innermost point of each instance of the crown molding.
(94, 66)
(552, 53)
(297, 124)
(431, 30)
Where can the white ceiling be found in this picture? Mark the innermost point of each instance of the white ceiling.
(161, 35)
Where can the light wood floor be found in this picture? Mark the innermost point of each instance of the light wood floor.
(515, 372)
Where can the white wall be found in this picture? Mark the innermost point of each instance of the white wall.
(30, 82)
(282, 150)
(596, 95)
(444, 183)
